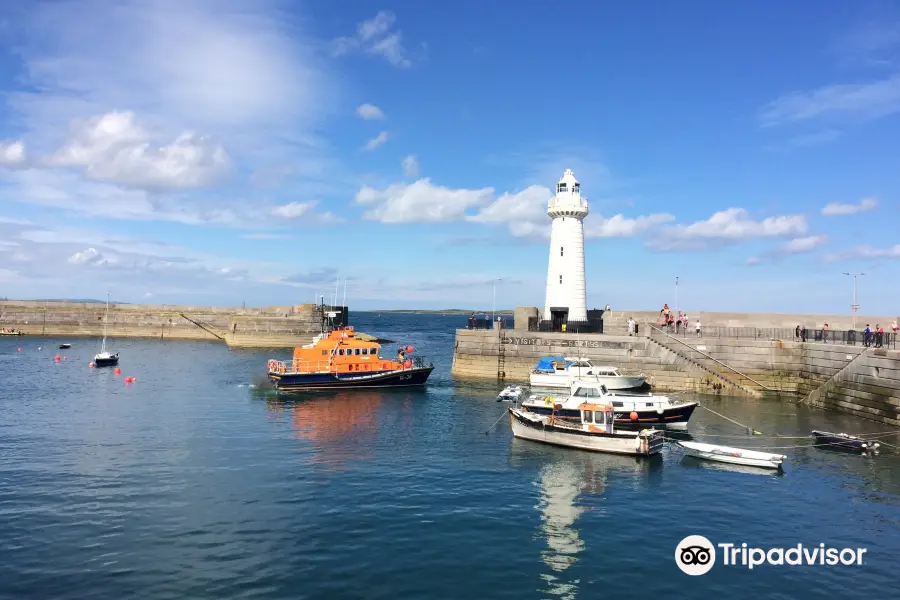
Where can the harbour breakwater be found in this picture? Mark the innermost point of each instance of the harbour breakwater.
(269, 327)
(855, 379)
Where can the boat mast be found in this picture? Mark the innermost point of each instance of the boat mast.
(105, 320)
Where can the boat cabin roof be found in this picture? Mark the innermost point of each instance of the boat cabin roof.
(595, 407)
(588, 390)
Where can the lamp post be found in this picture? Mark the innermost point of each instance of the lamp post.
(494, 301)
(677, 312)
(854, 306)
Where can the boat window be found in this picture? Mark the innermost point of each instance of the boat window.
(365, 351)
(324, 352)
(598, 417)
(357, 352)
(617, 404)
(341, 351)
(649, 405)
(586, 416)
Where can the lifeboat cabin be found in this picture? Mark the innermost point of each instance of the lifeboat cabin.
(339, 359)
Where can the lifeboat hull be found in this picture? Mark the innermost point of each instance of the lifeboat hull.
(297, 382)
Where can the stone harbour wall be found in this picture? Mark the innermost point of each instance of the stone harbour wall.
(277, 326)
(852, 379)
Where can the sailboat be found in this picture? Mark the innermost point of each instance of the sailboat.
(105, 358)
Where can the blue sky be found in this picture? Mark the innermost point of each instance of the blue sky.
(224, 152)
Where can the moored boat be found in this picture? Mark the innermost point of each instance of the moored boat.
(593, 431)
(735, 456)
(338, 359)
(558, 372)
(511, 393)
(631, 410)
(844, 441)
(5, 331)
(105, 358)
(65, 346)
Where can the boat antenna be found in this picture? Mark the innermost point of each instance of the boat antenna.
(344, 304)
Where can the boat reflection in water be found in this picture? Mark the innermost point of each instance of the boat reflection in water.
(565, 481)
(341, 427)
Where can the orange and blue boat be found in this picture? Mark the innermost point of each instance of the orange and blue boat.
(338, 359)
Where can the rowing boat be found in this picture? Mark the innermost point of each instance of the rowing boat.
(735, 456)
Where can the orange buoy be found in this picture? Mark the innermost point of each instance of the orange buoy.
(91, 364)
(118, 371)
(56, 358)
(633, 416)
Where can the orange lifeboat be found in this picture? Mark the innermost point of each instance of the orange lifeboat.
(339, 359)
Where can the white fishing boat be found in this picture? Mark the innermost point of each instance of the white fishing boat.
(511, 393)
(558, 372)
(735, 456)
(105, 358)
(631, 409)
(593, 431)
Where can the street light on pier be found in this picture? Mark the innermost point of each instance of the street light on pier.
(494, 301)
(854, 306)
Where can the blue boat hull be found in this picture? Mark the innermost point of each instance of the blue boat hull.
(679, 415)
(327, 381)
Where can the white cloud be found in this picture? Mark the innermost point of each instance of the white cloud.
(375, 37)
(243, 71)
(369, 112)
(88, 257)
(410, 166)
(836, 208)
(803, 244)
(420, 202)
(12, 154)
(292, 210)
(114, 147)
(525, 212)
(866, 252)
(377, 141)
(724, 227)
(622, 226)
(267, 236)
(861, 100)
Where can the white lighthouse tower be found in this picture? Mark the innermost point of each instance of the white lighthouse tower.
(565, 299)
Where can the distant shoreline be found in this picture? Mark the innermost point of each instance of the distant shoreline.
(445, 311)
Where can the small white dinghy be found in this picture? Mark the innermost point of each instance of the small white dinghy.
(511, 393)
(735, 456)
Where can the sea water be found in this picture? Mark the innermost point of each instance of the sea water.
(192, 483)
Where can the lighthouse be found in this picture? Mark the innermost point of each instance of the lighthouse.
(565, 299)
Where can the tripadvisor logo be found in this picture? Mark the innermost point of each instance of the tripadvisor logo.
(696, 555)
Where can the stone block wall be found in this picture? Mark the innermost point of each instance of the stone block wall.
(868, 386)
(477, 354)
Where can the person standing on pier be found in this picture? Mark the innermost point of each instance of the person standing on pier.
(630, 325)
(697, 327)
(867, 336)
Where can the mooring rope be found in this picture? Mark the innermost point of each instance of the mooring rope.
(495, 423)
(749, 429)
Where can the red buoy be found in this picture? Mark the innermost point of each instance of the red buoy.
(56, 358)
(407, 364)
(118, 371)
(409, 349)
(633, 416)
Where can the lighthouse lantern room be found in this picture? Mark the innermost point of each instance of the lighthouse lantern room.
(565, 300)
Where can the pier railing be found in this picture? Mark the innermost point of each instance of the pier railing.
(826, 336)
(499, 322)
(590, 325)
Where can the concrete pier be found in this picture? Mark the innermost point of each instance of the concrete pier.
(847, 378)
(269, 327)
